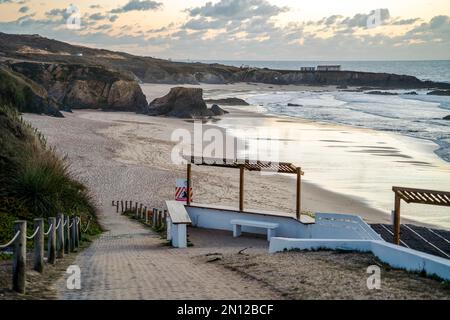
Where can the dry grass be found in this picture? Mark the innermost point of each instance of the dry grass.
(332, 275)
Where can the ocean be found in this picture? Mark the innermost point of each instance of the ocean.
(420, 116)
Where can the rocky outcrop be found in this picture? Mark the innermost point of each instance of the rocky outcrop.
(228, 102)
(294, 105)
(382, 93)
(85, 87)
(218, 111)
(25, 94)
(446, 117)
(180, 102)
(152, 70)
(439, 93)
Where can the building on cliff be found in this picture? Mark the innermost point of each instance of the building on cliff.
(329, 68)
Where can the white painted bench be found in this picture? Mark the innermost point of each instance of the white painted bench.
(238, 224)
(178, 220)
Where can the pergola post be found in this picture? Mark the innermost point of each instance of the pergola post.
(397, 219)
(188, 184)
(241, 188)
(299, 193)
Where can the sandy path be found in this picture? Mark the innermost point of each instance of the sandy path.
(129, 261)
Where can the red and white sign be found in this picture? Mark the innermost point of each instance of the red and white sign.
(180, 190)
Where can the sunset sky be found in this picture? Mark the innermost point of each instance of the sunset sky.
(244, 29)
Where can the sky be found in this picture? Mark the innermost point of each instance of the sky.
(242, 29)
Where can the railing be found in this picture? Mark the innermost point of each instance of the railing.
(63, 236)
(156, 218)
(349, 223)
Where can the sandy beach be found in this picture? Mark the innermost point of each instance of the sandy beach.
(142, 146)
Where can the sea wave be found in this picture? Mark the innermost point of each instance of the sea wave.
(420, 116)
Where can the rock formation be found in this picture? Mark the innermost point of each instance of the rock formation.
(218, 111)
(152, 70)
(180, 102)
(25, 94)
(81, 87)
(439, 93)
(446, 117)
(228, 102)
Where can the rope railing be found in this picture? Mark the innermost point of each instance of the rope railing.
(34, 234)
(58, 225)
(3, 246)
(60, 241)
(87, 225)
(49, 230)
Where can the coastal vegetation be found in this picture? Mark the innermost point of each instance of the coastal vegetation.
(34, 181)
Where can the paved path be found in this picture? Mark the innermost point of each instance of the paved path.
(133, 262)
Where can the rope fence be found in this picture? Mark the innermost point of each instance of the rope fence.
(63, 236)
(4, 246)
(156, 218)
(34, 234)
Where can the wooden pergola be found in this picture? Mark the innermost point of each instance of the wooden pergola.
(412, 195)
(249, 165)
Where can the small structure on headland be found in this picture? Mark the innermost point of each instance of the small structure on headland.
(308, 69)
(329, 68)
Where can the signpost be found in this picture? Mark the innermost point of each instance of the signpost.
(181, 190)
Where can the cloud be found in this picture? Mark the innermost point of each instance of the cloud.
(404, 22)
(237, 9)
(24, 9)
(238, 29)
(138, 5)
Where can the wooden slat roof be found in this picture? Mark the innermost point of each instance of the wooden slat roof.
(412, 195)
(250, 165)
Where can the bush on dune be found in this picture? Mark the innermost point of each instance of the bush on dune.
(34, 181)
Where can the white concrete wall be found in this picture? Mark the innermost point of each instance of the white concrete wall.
(328, 226)
(393, 255)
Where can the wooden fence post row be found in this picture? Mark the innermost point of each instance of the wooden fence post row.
(63, 236)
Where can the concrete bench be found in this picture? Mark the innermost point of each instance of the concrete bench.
(238, 224)
(178, 220)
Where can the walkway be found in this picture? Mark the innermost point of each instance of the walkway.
(132, 262)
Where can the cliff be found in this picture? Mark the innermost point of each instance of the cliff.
(152, 70)
(74, 86)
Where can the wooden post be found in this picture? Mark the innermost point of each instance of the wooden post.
(188, 184)
(117, 207)
(72, 235)
(39, 245)
(121, 203)
(75, 224)
(299, 193)
(155, 211)
(79, 230)
(165, 219)
(397, 220)
(68, 243)
(20, 252)
(241, 188)
(60, 237)
(136, 210)
(113, 203)
(140, 211)
(145, 214)
(51, 241)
